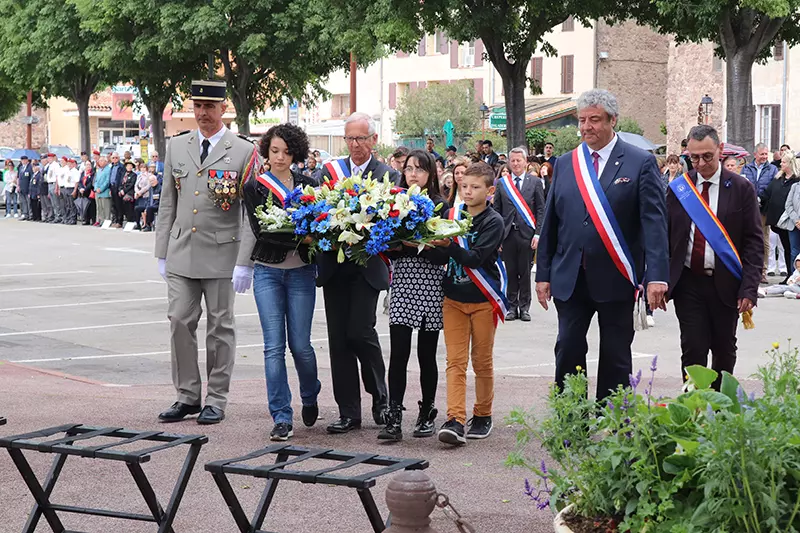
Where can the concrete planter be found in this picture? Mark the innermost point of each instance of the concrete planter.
(558, 522)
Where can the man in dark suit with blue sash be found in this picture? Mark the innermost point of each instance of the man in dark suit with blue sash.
(351, 297)
(605, 219)
(716, 253)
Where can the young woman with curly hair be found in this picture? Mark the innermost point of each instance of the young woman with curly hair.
(283, 285)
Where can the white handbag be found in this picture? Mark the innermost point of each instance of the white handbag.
(785, 222)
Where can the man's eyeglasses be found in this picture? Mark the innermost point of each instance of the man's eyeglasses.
(360, 139)
(707, 157)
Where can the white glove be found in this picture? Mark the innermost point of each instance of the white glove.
(242, 278)
(162, 268)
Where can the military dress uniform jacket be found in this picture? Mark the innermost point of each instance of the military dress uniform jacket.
(200, 217)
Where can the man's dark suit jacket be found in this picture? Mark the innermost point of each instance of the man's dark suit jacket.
(632, 184)
(376, 272)
(533, 193)
(737, 210)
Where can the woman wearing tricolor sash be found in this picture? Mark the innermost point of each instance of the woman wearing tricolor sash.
(283, 282)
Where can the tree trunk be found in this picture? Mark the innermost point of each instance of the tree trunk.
(739, 110)
(83, 122)
(242, 107)
(238, 83)
(156, 110)
(514, 88)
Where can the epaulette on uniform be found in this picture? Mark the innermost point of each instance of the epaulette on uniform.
(245, 138)
(184, 132)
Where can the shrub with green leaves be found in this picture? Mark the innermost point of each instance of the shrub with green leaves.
(705, 461)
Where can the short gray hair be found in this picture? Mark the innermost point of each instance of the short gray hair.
(759, 146)
(519, 150)
(599, 98)
(358, 117)
(702, 131)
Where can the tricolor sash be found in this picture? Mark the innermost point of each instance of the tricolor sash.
(601, 213)
(339, 169)
(519, 202)
(494, 292)
(278, 189)
(707, 223)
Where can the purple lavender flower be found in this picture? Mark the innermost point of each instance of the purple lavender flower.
(740, 394)
(752, 396)
(528, 490)
(567, 443)
(634, 381)
(610, 405)
(653, 365)
(628, 434)
(544, 469)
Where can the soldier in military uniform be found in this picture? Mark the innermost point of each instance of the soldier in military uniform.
(197, 243)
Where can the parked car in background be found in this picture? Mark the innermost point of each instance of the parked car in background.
(107, 150)
(4, 151)
(60, 150)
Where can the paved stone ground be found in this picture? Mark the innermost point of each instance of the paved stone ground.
(84, 338)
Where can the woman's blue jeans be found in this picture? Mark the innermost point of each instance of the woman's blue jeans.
(285, 299)
(794, 239)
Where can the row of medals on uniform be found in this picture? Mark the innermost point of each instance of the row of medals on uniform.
(222, 187)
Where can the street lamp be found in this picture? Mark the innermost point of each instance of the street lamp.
(706, 106)
(484, 115)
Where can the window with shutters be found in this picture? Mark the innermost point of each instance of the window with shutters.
(777, 51)
(340, 105)
(569, 24)
(440, 43)
(536, 71)
(770, 125)
(468, 54)
(567, 74)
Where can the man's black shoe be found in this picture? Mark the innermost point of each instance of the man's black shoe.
(310, 414)
(525, 316)
(281, 432)
(512, 315)
(178, 412)
(344, 425)
(210, 415)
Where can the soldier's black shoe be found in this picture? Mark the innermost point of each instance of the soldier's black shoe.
(211, 415)
(344, 425)
(178, 412)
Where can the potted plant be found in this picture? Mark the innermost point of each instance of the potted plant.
(704, 461)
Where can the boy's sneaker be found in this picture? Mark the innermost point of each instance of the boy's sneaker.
(452, 432)
(789, 295)
(281, 432)
(480, 427)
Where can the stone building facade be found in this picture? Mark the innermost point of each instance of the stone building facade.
(694, 71)
(632, 63)
(13, 132)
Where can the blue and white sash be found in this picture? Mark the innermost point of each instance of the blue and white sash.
(519, 202)
(601, 213)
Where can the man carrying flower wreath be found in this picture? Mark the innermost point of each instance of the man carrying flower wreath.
(351, 294)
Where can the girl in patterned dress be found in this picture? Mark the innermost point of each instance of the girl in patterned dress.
(416, 303)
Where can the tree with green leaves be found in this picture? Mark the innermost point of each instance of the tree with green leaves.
(629, 125)
(273, 51)
(43, 45)
(744, 31)
(424, 112)
(511, 30)
(131, 40)
(11, 97)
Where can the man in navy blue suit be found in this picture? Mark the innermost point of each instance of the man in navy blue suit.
(605, 219)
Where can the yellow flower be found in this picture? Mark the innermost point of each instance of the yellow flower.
(578, 368)
(776, 345)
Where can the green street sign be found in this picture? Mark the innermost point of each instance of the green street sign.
(497, 120)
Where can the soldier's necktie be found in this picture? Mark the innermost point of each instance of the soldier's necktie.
(698, 260)
(204, 153)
